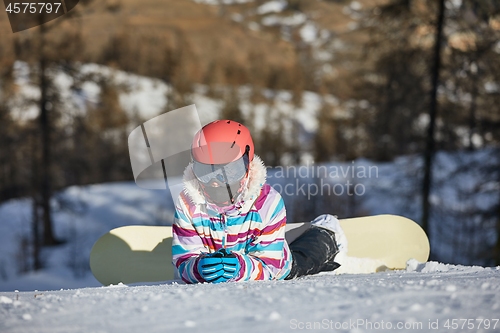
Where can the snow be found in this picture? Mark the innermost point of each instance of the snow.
(292, 20)
(222, 2)
(491, 87)
(308, 32)
(355, 5)
(275, 6)
(354, 265)
(400, 300)
(497, 47)
(23, 111)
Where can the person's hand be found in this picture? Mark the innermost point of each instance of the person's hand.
(219, 266)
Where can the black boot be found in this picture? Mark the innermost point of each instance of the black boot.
(314, 251)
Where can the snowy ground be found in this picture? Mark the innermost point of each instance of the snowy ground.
(429, 298)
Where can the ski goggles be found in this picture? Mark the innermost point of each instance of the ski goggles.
(228, 173)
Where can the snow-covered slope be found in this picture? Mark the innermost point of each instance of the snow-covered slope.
(434, 298)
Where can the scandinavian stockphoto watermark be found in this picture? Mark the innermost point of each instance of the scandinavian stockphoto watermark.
(311, 180)
(160, 148)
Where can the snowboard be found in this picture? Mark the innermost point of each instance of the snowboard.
(139, 253)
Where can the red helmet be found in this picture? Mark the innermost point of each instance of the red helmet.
(222, 141)
(222, 152)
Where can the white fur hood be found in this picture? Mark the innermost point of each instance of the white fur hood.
(257, 178)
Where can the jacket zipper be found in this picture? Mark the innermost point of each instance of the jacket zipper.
(223, 220)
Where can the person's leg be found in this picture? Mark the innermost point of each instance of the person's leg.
(313, 252)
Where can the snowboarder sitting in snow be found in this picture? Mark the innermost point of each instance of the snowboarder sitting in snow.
(230, 225)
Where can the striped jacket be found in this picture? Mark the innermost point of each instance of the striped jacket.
(255, 233)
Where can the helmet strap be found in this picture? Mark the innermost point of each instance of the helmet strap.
(227, 186)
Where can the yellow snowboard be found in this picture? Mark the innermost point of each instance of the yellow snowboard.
(134, 254)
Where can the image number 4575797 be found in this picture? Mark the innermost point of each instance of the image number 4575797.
(28, 14)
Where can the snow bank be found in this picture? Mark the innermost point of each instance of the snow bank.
(433, 267)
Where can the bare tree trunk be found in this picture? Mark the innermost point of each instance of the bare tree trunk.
(431, 140)
(35, 214)
(472, 110)
(45, 177)
(496, 251)
(36, 235)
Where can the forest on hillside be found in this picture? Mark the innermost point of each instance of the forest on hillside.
(395, 77)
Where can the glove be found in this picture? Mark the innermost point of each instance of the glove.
(219, 266)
